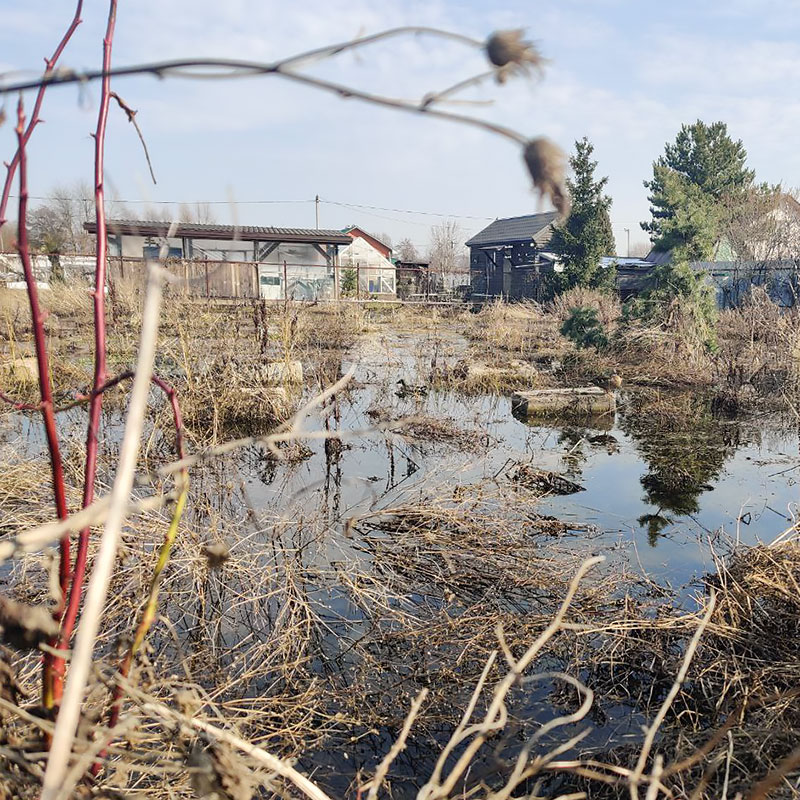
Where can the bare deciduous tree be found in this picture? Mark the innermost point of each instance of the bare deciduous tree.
(406, 251)
(56, 226)
(200, 213)
(384, 237)
(446, 252)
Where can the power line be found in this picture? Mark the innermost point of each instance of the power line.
(404, 210)
(169, 202)
(359, 206)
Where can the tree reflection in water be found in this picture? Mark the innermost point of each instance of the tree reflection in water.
(685, 448)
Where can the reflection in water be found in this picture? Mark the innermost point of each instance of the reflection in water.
(685, 448)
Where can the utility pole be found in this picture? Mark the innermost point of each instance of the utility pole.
(316, 205)
(627, 230)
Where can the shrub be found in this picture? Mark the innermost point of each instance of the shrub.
(678, 292)
(348, 287)
(584, 328)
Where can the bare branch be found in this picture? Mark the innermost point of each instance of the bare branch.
(131, 114)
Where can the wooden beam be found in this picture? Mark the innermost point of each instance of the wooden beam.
(265, 251)
(322, 252)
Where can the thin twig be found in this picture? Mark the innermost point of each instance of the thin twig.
(131, 114)
(276, 765)
(236, 68)
(649, 738)
(397, 747)
(50, 65)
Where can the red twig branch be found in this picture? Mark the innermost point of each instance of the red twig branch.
(131, 115)
(45, 390)
(50, 64)
(16, 404)
(96, 402)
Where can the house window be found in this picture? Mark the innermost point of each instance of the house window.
(270, 280)
(153, 252)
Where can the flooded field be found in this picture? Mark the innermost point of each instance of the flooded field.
(663, 489)
(414, 526)
(659, 495)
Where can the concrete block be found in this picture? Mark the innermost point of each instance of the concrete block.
(582, 400)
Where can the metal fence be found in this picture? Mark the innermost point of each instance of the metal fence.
(281, 281)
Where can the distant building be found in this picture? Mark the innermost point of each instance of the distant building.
(509, 257)
(359, 233)
(272, 263)
(370, 259)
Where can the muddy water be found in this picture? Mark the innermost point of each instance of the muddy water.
(660, 494)
(668, 494)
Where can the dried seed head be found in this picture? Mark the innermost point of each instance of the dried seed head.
(2, 116)
(510, 53)
(217, 772)
(216, 554)
(25, 626)
(547, 164)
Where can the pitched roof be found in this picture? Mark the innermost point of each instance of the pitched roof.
(532, 227)
(659, 256)
(196, 230)
(351, 228)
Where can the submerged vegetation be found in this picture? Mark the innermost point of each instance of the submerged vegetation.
(309, 625)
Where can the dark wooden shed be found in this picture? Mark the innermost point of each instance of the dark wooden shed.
(509, 256)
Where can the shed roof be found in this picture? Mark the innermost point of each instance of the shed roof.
(531, 227)
(659, 256)
(247, 233)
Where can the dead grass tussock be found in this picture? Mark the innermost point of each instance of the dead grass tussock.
(233, 398)
(759, 355)
(428, 430)
(513, 327)
(659, 357)
(736, 717)
(497, 375)
(607, 305)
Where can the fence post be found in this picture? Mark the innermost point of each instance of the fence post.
(358, 280)
(285, 286)
(208, 290)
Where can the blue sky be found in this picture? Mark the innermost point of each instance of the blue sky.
(626, 73)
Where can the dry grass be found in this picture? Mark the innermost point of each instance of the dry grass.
(759, 358)
(607, 305)
(736, 718)
(511, 327)
(312, 637)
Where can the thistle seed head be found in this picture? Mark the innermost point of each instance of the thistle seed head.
(547, 164)
(510, 53)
